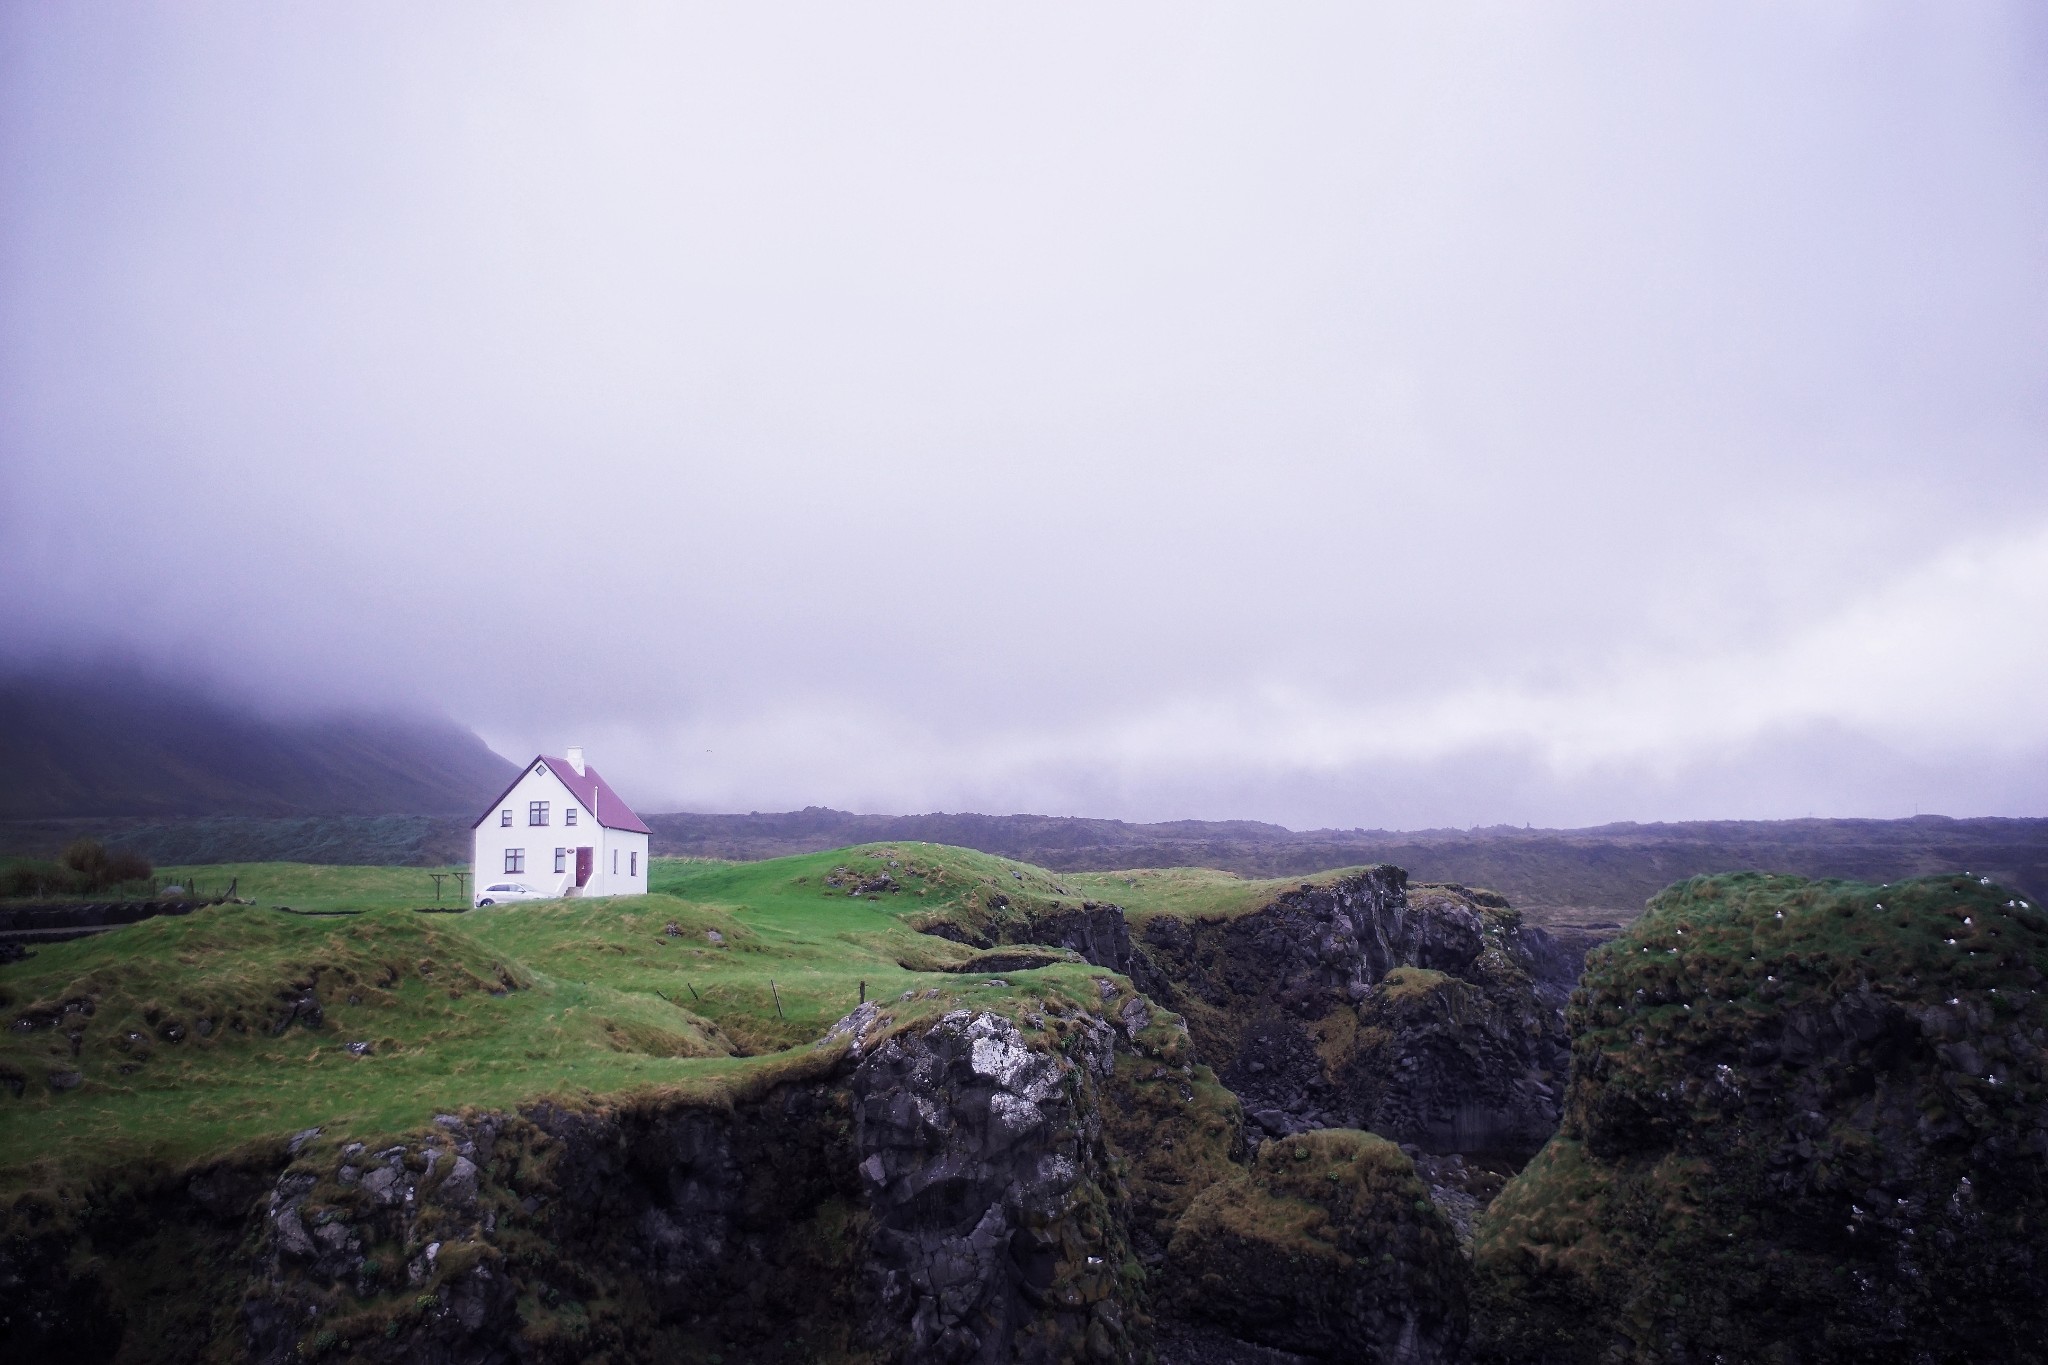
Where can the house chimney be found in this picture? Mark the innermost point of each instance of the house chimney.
(576, 759)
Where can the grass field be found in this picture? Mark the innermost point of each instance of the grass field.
(195, 1041)
(1198, 891)
(320, 886)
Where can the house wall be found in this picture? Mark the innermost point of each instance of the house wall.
(627, 849)
(490, 840)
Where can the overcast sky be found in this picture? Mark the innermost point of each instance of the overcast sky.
(1339, 415)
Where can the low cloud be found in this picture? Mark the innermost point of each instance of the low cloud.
(1340, 415)
(1917, 693)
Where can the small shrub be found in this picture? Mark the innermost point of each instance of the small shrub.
(37, 877)
(85, 868)
(124, 865)
(88, 858)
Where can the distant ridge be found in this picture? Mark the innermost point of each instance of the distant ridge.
(1607, 870)
(1558, 876)
(115, 741)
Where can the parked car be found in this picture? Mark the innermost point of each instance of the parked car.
(499, 892)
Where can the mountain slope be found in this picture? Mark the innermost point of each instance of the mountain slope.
(118, 742)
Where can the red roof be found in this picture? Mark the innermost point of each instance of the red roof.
(595, 794)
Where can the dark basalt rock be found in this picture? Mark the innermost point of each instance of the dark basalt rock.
(1305, 1010)
(1430, 1016)
(1096, 930)
(51, 1309)
(994, 1237)
(940, 1194)
(1327, 1247)
(1025, 958)
(1806, 1122)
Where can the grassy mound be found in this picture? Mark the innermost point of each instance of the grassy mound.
(1327, 1245)
(1805, 1122)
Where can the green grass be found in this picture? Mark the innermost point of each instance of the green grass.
(1195, 892)
(320, 886)
(1713, 953)
(181, 1056)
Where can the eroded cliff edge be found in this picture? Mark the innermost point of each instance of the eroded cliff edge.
(961, 1188)
(1063, 1178)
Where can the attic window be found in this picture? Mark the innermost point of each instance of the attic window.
(536, 812)
(505, 817)
(569, 815)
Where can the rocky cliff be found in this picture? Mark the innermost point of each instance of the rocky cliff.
(1429, 1015)
(1806, 1122)
(1069, 1175)
(1801, 1122)
(971, 1187)
(935, 1193)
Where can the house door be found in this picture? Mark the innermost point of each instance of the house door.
(583, 856)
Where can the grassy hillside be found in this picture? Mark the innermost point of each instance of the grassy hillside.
(163, 1041)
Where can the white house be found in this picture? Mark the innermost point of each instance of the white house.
(562, 830)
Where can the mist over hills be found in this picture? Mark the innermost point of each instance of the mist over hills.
(182, 774)
(110, 741)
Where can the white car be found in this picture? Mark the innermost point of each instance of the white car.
(499, 892)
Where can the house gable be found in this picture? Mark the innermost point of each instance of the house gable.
(527, 775)
(589, 789)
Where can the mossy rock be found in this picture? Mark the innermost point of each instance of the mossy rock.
(1805, 1122)
(1326, 1245)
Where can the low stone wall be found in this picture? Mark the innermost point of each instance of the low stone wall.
(44, 916)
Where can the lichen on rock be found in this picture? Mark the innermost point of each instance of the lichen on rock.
(995, 1234)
